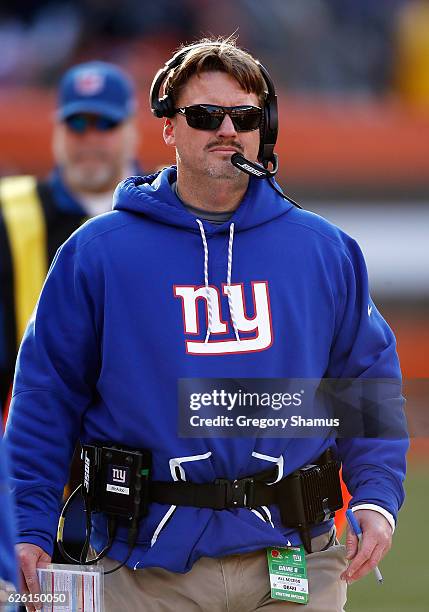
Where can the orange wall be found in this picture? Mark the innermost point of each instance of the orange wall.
(412, 336)
(319, 142)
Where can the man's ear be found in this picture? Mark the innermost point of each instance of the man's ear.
(168, 133)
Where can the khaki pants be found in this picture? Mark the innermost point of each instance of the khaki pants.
(235, 583)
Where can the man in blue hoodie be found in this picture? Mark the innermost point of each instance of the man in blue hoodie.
(8, 565)
(202, 272)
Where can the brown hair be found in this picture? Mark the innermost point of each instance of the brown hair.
(223, 55)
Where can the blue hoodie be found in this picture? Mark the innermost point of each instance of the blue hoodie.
(8, 564)
(138, 298)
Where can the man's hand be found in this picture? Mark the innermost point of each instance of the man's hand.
(376, 542)
(29, 557)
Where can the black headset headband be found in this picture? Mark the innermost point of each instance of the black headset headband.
(164, 107)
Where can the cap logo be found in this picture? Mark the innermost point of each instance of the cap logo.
(89, 83)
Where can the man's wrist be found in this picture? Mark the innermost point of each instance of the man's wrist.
(387, 515)
(35, 541)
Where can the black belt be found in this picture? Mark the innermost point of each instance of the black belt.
(312, 485)
(246, 492)
(306, 497)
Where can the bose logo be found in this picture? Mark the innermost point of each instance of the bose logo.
(252, 169)
(86, 473)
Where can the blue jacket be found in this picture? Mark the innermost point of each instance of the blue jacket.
(8, 565)
(119, 322)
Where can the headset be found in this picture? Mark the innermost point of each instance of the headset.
(164, 107)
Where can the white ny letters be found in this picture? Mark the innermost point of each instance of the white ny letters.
(260, 323)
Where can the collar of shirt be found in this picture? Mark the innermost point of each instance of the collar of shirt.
(217, 218)
(64, 198)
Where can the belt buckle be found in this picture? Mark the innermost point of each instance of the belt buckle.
(238, 493)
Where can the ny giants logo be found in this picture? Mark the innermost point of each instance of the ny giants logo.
(119, 475)
(260, 323)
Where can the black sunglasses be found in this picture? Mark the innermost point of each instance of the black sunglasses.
(79, 123)
(210, 116)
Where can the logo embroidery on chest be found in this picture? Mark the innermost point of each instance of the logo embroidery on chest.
(260, 324)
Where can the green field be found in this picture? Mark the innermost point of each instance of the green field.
(406, 568)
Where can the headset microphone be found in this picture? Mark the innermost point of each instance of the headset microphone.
(254, 169)
(259, 171)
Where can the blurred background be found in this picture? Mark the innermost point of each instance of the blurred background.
(352, 77)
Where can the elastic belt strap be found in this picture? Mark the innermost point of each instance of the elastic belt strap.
(252, 491)
(241, 493)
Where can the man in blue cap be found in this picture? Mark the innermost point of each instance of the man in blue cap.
(94, 145)
(95, 137)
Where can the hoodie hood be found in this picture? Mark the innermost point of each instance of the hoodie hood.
(153, 197)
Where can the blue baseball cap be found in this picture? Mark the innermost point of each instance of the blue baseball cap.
(96, 87)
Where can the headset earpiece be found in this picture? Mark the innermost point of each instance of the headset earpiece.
(164, 107)
(269, 128)
(161, 107)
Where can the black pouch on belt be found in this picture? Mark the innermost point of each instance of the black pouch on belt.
(310, 496)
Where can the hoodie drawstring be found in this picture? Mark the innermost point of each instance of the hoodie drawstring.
(228, 280)
(206, 279)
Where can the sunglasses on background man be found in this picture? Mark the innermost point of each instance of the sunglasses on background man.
(81, 122)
